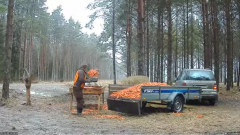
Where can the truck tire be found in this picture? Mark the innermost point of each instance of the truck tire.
(178, 104)
(212, 102)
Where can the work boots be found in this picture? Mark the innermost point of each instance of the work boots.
(79, 111)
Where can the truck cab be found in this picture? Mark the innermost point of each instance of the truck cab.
(203, 78)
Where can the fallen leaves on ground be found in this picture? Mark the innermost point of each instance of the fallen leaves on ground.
(134, 92)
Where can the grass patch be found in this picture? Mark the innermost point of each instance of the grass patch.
(134, 80)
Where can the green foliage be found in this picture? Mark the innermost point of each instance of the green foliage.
(3, 8)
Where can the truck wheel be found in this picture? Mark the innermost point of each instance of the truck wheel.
(178, 104)
(212, 101)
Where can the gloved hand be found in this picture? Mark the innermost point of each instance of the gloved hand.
(88, 80)
(91, 80)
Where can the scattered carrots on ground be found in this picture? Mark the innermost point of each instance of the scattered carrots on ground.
(111, 116)
(190, 113)
(93, 73)
(134, 92)
(178, 113)
(74, 111)
(105, 107)
(93, 111)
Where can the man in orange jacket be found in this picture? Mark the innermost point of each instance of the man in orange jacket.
(78, 85)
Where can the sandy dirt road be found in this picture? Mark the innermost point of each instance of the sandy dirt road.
(49, 114)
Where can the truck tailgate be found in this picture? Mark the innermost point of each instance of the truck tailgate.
(124, 105)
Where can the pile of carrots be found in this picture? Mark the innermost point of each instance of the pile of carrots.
(93, 73)
(134, 92)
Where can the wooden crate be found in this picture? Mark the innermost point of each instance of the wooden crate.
(93, 90)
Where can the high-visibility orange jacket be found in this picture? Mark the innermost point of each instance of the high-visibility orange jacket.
(80, 78)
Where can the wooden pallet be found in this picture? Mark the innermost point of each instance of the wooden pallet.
(93, 90)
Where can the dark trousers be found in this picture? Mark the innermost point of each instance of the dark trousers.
(79, 97)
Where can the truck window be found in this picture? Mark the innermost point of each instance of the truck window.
(182, 76)
(200, 75)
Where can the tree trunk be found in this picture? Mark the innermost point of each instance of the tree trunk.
(24, 51)
(176, 48)
(169, 58)
(187, 62)
(215, 42)
(184, 38)
(8, 50)
(192, 33)
(31, 54)
(113, 42)
(229, 46)
(238, 75)
(206, 34)
(28, 86)
(148, 45)
(140, 37)
(159, 41)
(162, 49)
(129, 38)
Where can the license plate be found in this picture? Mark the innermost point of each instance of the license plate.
(203, 87)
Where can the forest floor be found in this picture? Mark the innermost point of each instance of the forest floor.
(49, 114)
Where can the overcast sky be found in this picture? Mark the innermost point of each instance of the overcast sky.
(77, 9)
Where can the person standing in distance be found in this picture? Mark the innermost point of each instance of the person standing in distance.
(78, 85)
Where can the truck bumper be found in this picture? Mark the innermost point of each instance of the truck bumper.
(209, 97)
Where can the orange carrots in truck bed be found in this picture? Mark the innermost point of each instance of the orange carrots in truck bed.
(134, 92)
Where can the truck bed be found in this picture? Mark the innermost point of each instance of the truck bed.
(150, 94)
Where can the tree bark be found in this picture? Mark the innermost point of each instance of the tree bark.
(215, 42)
(27, 81)
(187, 63)
(162, 49)
(238, 76)
(140, 37)
(113, 42)
(176, 48)
(159, 42)
(129, 38)
(169, 58)
(229, 46)
(206, 33)
(192, 33)
(8, 50)
(148, 45)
